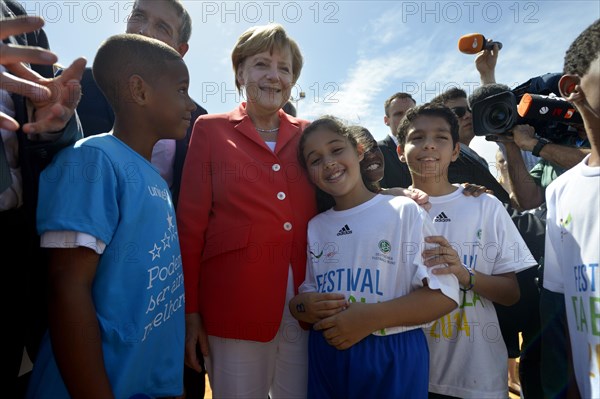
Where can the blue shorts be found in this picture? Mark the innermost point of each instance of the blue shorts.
(393, 366)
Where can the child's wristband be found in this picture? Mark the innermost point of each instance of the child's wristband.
(471, 279)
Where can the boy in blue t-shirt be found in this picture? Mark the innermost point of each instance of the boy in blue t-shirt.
(116, 296)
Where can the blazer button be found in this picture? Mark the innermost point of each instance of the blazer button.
(287, 226)
(281, 196)
(276, 167)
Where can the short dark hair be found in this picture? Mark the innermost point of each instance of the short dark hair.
(185, 28)
(583, 51)
(450, 94)
(127, 54)
(399, 95)
(427, 109)
(486, 91)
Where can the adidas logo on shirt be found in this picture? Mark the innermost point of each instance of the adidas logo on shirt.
(441, 218)
(344, 230)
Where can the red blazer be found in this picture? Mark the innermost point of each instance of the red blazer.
(242, 217)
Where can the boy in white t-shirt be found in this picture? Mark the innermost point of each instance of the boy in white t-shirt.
(482, 247)
(572, 251)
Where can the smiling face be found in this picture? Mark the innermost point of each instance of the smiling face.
(372, 165)
(428, 149)
(171, 106)
(333, 165)
(267, 79)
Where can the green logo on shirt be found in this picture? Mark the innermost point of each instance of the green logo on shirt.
(385, 246)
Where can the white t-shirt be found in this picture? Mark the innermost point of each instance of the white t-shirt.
(372, 253)
(467, 352)
(571, 265)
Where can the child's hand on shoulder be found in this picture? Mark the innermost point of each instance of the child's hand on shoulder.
(419, 196)
(311, 307)
(444, 254)
(348, 327)
(475, 190)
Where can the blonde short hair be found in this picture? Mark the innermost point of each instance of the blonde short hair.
(263, 38)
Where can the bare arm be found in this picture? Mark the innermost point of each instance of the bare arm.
(486, 65)
(526, 194)
(310, 307)
(562, 155)
(499, 288)
(73, 323)
(421, 306)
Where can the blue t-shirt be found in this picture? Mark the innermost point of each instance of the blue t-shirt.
(101, 187)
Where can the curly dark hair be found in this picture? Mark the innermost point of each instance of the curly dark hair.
(485, 91)
(583, 51)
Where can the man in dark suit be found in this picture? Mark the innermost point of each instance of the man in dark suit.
(37, 120)
(395, 173)
(169, 22)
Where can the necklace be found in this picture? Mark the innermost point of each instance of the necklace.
(267, 130)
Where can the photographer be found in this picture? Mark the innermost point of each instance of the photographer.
(528, 192)
(556, 157)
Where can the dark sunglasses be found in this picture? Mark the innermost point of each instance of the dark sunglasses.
(460, 111)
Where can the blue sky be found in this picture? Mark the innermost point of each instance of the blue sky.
(357, 53)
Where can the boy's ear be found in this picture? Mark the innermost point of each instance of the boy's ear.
(567, 84)
(139, 89)
(400, 151)
(386, 120)
(182, 48)
(455, 151)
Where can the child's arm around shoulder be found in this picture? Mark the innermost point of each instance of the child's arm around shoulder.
(73, 324)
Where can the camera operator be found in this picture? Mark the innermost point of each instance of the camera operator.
(528, 190)
(555, 157)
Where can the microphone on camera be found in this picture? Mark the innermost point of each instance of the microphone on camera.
(557, 109)
(473, 43)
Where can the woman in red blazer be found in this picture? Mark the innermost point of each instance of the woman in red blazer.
(243, 211)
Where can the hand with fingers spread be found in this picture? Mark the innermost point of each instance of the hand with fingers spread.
(53, 113)
(311, 307)
(54, 100)
(445, 254)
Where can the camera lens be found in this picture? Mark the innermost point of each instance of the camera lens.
(498, 116)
